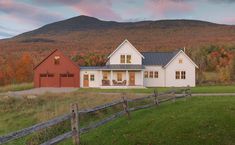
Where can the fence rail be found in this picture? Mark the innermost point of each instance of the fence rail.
(74, 116)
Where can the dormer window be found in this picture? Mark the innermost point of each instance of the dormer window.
(122, 59)
(128, 59)
(57, 60)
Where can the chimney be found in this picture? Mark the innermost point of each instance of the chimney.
(184, 49)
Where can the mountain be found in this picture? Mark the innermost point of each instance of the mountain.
(87, 34)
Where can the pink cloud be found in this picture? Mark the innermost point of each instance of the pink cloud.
(100, 9)
(160, 8)
(229, 20)
(95, 8)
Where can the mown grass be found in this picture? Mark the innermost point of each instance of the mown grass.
(198, 89)
(16, 87)
(196, 121)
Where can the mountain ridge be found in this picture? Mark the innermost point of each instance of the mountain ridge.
(84, 34)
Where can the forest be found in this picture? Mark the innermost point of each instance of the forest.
(216, 64)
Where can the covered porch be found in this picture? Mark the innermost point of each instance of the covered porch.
(121, 78)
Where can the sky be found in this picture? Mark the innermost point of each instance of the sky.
(18, 16)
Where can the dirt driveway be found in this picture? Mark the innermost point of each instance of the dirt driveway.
(39, 91)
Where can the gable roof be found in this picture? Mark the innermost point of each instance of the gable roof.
(125, 41)
(50, 55)
(180, 51)
(163, 58)
(157, 58)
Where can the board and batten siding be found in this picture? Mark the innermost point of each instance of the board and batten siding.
(187, 66)
(154, 82)
(125, 49)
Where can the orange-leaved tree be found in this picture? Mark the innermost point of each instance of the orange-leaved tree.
(24, 69)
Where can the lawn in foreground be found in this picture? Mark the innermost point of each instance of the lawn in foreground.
(197, 121)
(197, 89)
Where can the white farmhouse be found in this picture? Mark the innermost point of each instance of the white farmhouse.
(128, 68)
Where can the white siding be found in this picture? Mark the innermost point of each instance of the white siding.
(155, 82)
(126, 49)
(92, 84)
(176, 66)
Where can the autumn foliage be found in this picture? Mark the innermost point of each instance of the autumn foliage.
(17, 69)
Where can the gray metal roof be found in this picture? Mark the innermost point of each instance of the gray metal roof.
(91, 67)
(157, 58)
(115, 67)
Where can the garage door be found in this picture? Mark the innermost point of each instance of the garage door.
(67, 80)
(48, 80)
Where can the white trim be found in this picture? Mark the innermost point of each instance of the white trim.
(120, 47)
(184, 55)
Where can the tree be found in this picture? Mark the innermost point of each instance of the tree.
(24, 69)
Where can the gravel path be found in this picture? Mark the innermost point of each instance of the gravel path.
(39, 91)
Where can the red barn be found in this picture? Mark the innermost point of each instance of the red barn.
(56, 70)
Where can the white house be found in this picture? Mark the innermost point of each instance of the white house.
(128, 68)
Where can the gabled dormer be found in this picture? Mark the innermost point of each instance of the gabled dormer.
(125, 54)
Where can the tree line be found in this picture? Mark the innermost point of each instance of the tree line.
(218, 60)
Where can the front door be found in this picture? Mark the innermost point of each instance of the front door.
(85, 80)
(131, 78)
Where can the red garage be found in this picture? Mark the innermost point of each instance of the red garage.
(56, 70)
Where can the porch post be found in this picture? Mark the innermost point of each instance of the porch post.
(101, 77)
(127, 78)
(111, 78)
(142, 77)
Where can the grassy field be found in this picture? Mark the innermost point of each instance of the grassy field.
(198, 121)
(16, 87)
(198, 89)
(18, 113)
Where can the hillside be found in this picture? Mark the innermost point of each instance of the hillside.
(87, 34)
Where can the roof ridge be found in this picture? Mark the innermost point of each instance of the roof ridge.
(159, 52)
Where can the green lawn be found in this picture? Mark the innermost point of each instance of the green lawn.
(196, 121)
(198, 89)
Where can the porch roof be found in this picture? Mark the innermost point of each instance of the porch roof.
(114, 67)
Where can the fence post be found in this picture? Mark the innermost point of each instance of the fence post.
(173, 95)
(75, 124)
(125, 106)
(189, 91)
(156, 101)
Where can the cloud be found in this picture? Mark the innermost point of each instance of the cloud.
(26, 13)
(96, 8)
(229, 20)
(162, 8)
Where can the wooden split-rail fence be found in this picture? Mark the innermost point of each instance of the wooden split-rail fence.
(76, 131)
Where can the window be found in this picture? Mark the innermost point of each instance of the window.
(183, 75)
(151, 74)
(177, 75)
(67, 75)
(105, 76)
(47, 75)
(43, 75)
(156, 74)
(57, 60)
(146, 74)
(119, 76)
(92, 77)
(180, 60)
(122, 58)
(70, 75)
(128, 59)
